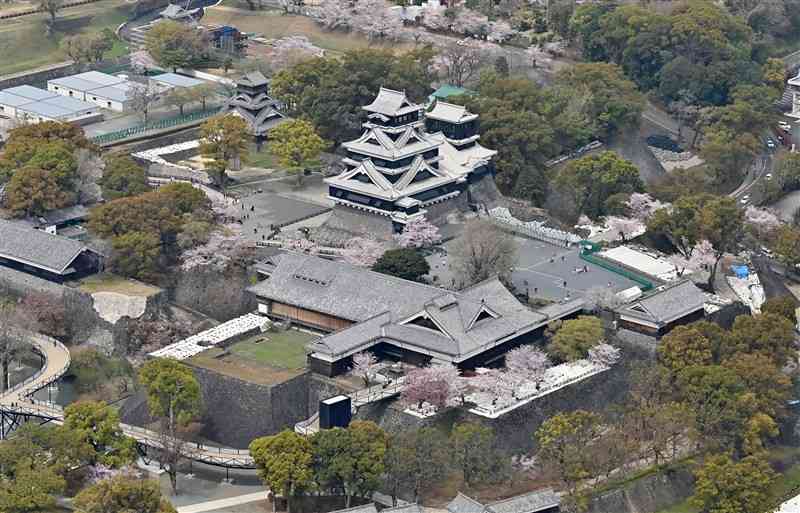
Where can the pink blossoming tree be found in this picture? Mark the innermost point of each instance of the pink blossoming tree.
(604, 354)
(419, 233)
(436, 385)
(642, 206)
(527, 364)
(362, 252)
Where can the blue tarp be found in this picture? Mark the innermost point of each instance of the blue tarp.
(741, 271)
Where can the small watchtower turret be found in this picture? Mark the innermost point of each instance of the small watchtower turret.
(458, 125)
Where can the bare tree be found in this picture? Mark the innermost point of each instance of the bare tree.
(482, 251)
(365, 366)
(141, 98)
(461, 60)
(14, 321)
(51, 7)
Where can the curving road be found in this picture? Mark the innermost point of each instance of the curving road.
(19, 400)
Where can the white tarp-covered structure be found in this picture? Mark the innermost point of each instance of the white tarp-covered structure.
(642, 262)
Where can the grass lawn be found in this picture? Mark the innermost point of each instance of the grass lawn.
(274, 24)
(113, 283)
(283, 349)
(263, 159)
(265, 359)
(25, 38)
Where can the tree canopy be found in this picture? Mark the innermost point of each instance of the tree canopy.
(406, 263)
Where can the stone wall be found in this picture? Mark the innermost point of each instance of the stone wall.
(648, 494)
(236, 411)
(38, 77)
(86, 324)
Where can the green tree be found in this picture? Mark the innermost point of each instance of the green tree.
(719, 403)
(173, 397)
(32, 489)
(225, 143)
(33, 192)
(575, 337)
(283, 462)
(787, 245)
(784, 306)
(98, 424)
(417, 460)
(722, 224)
(474, 455)
(725, 486)
(123, 494)
(767, 334)
(406, 263)
(136, 254)
(58, 159)
(592, 179)
(681, 223)
(174, 45)
(297, 145)
(563, 440)
(369, 450)
(728, 153)
(683, 347)
(122, 177)
(770, 387)
(614, 102)
(330, 91)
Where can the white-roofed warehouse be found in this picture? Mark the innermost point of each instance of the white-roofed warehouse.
(104, 90)
(34, 105)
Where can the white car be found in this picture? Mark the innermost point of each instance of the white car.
(768, 176)
(745, 200)
(786, 127)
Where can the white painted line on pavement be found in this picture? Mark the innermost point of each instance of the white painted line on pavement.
(204, 507)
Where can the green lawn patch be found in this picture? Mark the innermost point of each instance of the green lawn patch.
(25, 38)
(282, 349)
(264, 359)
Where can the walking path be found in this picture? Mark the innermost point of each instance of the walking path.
(218, 504)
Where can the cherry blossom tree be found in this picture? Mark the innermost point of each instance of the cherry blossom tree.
(527, 364)
(499, 384)
(419, 233)
(703, 256)
(642, 206)
(602, 298)
(624, 227)
(301, 245)
(435, 385)
(604, 354)
(365, 366)
(761, 220)
(362, 252)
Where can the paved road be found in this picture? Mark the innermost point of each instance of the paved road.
(756, 173)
